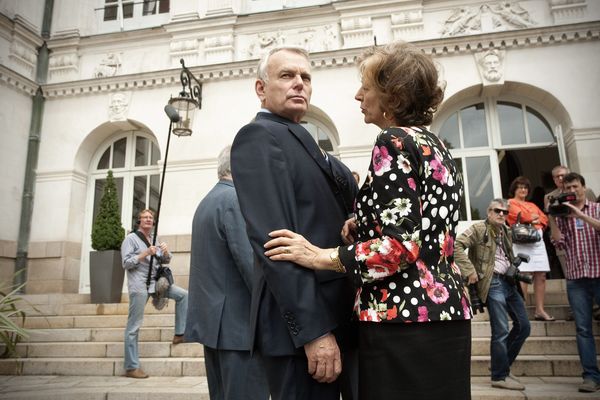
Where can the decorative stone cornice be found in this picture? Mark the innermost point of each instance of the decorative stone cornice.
(59, 176)
(533, 37)
(17, 81)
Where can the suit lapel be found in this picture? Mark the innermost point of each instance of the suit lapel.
(305, 139)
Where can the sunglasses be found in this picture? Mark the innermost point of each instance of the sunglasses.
(500, 211)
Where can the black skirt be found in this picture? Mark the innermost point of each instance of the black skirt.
(415, 361)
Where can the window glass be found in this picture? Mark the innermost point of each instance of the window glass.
(139, 197)
(119, 149)
(141, 151)
(449, 132)
(319, 135)
(155, 154)
(463, 200)
(481, 191)
(110, 10)
(473, 126)
(163, 6)
(104, 160)
(149, 7)
(154, 191)
(127, 9)
(539, 129)
(510, 116)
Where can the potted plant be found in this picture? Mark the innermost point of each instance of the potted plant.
(106, 270)
(12, 319)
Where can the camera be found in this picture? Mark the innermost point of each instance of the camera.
(513, 275)
(476, 303)
(556, 205)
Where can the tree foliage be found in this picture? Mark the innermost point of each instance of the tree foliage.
(108, 232)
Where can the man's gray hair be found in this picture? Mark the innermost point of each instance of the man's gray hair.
(224, 162)
(502, 202)
(264, 61)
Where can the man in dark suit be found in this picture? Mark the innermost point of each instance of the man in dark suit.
(219, 293)
(300, 318)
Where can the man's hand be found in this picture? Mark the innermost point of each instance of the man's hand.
(324, 361)
(349, 231)
(472, 278)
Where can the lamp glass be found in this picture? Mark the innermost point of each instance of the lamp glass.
(185, 106)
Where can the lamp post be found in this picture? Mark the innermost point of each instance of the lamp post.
(180, 111)
(187, 102)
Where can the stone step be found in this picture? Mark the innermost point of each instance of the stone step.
(536, 346)
(146, 334)
(481, 346)
(106, 349)
(196, 388)
(164, 332)
(172, 366)
(525, 365)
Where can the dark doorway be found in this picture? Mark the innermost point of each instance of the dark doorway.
(536, 165)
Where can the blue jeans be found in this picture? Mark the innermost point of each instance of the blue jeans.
(137, 302)
(582, 293)
(504, 298)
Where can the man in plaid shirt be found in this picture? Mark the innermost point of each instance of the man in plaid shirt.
(578, 234)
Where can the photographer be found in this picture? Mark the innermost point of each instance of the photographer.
(578, 234)
(136, 257)
(554, 204)
(489, 259)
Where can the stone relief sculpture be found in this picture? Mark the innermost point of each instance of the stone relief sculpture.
(487, 17)
(331, 39)
(118, 106)
(109, 66)
(511, 14)
(490, 64)
(463, 20)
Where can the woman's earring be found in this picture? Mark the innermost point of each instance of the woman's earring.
(386, 116)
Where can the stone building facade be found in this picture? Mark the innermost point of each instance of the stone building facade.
(521, 96)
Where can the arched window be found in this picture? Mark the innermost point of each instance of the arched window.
(319, 133)
(492, 141)
(133, 158)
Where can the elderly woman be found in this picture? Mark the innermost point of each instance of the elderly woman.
(538, 265)
(415, 333)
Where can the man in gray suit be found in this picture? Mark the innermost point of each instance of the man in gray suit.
(219, 293)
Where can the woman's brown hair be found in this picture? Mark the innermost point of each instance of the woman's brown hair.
(519, 180)
(407, 80)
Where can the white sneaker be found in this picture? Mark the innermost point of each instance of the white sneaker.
(508, 383)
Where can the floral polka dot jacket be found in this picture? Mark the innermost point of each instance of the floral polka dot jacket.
(406, 216)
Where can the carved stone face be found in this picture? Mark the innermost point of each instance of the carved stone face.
(287, 90)
(118, 104)
(491, 64)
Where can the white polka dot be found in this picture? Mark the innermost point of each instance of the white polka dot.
(416, 283)
(434, 212)
(406, 289)
(439, 190)
(392, 285)
(452, 310)
(370, 202)
(427, 238)
(364, 198)
(433, 201)
(404, 275)
(414, 301)
(393, 177)
(405, 313)
(371, 233)
(443, 212)
(425, 222)
(396, 299)
(375, 196)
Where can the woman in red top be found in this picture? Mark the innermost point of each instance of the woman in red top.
(538, 265)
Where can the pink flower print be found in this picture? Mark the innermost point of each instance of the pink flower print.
(466, 307)
(440, 173)
(412, 184)
(438, 293)
(382, 161)
(448, 246)
(423, 314)
(426, 279)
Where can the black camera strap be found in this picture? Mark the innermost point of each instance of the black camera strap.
(143, 238)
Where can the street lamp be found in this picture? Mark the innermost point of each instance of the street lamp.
(187, 102)
(180, 111)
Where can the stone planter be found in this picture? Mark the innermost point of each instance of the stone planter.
(106, 276)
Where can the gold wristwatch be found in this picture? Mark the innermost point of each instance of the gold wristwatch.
(335, 259)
